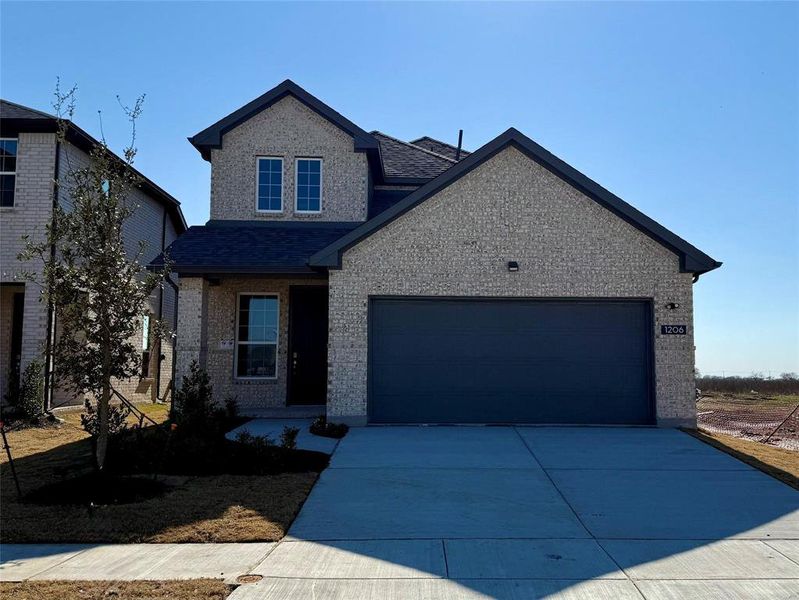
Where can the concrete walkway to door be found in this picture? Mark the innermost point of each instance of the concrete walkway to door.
(504, 512)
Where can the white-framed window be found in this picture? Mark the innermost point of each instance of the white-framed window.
(8, 171)
(257, 329)
(269, 184)
(308, 185)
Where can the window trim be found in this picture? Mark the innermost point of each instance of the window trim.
(282, 183)
(236, 342)
(296, 184)
(14, 172)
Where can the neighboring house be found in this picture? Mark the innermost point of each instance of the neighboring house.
(386, 282)
(31, 158)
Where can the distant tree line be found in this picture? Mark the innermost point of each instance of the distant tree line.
(786, 383)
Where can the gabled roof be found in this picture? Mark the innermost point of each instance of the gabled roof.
(440, 147)
(211, 137)
(16, 118)
(12, 110)
(692, 260)
(248, 247)
(404, 162)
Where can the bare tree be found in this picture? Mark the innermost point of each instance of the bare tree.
(98, 287)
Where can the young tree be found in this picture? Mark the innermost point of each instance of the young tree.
(98, 287)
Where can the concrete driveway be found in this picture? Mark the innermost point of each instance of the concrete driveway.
(476, 512)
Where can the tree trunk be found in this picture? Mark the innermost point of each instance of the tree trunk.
(102, 410)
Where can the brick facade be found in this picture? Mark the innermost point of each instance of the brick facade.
(288, 129)
(33, 206)
(36, 162)
(457, 243)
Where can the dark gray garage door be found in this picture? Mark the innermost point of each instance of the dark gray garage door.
(509, 361)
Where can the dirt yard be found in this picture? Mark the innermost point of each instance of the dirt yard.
(196, 589)
(221, 508)
(754, 417)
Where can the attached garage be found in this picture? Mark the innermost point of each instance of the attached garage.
(489, 360)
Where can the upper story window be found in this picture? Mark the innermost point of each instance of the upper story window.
(8, 171)
(309, 185)
(270, 184)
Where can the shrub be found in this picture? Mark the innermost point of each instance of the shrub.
(194, 410)
(231, 408)
(288, 439)
(117, 419)
(322, 427)
(245, 437)
(31, 393)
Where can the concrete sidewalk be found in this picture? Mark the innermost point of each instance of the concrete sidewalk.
(125, 562)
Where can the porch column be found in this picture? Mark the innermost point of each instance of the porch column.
(192, 336)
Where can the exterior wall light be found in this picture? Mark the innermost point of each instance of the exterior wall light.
(672, 305)
(513, 266)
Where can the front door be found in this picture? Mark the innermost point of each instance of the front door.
(307, 366)
(15, 355)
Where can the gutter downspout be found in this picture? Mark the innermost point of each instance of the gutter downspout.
(49, 361)
(160, 354)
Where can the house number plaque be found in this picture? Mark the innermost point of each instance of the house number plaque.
(673, 329)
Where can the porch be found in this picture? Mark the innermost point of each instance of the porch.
(262, 341)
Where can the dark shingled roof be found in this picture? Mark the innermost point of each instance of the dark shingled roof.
(440, 147)
(402, 160)
(262, 247)
(383, 199)
(12, 110)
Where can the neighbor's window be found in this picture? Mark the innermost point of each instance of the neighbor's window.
(309, 185)
(8, 171)
(256, 336)
(270, 184)
(145, 345)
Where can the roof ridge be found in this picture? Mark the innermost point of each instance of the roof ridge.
(414, 146)
(35, 110)
(437, 141)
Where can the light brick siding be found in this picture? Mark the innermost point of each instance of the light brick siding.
(288, 129)
(458, 242)
(32, 211)
(207, 317)
(33, 201)
(144, 225)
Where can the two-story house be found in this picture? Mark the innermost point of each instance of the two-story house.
(32, 161)
(391, 282)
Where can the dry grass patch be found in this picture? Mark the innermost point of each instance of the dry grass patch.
(779, 463)
(220, 508)
(199, 589)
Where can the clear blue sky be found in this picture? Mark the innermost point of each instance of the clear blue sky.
(690, 112)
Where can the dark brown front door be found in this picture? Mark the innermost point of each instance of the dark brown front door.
(307, 345)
